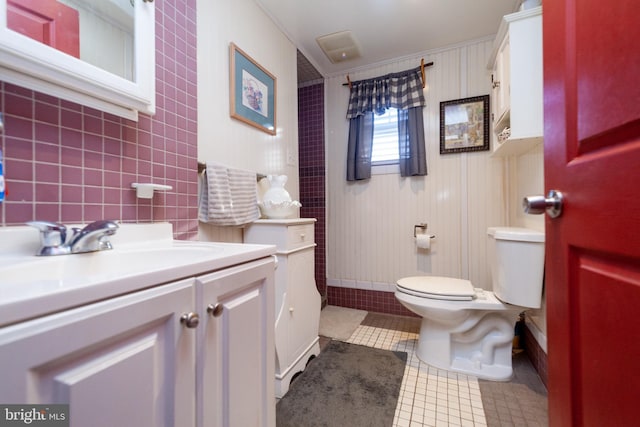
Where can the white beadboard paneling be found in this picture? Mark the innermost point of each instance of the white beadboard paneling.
(370, 224)
(529, 180)
(230, 141)
(212, 233)
(527, 174)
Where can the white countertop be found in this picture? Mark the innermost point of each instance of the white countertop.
(144, 255)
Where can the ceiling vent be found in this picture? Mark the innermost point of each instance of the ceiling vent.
(339, 47)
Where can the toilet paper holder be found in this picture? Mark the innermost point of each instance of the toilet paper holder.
(423, 227)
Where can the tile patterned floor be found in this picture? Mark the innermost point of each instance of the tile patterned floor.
(520, 402)
(434, 397)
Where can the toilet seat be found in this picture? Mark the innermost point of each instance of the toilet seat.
(433, 287)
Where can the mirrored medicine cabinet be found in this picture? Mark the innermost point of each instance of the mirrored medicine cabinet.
(98, 53)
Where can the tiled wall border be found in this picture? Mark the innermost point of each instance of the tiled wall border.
(367, 299)
(537, 355)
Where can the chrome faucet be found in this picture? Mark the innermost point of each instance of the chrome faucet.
(53, 237)
(56, 240)
(93, 237)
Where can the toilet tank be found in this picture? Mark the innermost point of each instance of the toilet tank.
(516, 261)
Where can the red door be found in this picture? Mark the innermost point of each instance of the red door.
(592, 155)
(46, 21)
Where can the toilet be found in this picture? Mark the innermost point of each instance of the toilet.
(470, 330)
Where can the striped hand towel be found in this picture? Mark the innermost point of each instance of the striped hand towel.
(228, 196)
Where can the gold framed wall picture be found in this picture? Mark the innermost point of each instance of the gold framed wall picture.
(252, 92)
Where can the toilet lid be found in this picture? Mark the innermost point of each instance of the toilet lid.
(445, 288)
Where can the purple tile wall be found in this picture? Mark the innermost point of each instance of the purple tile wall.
(537, 356)
(69, 163)
(313, 197)
(311, 170)
(362, 299)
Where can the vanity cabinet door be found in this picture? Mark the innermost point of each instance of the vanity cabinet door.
(304, 302)
(127, 361)
(235, 360)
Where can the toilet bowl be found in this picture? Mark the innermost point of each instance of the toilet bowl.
(470, 330)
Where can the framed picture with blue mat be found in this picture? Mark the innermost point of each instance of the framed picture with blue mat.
(252, 92)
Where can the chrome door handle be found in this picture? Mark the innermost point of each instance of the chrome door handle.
(536, 205)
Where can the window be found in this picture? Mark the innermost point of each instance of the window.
(385, 138)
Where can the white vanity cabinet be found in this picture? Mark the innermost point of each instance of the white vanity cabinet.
(195, 352)
(516, 67)
(298, 301)
(126, 361)
(235, 363)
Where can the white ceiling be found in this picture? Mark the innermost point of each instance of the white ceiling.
(384, 29)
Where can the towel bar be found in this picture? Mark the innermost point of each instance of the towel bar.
(202, 167)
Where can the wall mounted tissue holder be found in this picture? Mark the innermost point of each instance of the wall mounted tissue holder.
(423, 227)
(423, 240)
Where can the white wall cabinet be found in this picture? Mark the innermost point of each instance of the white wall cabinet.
(298, 301)
(516, 66)
(131, 361)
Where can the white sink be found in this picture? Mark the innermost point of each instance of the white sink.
(96, 267)
(144, 255)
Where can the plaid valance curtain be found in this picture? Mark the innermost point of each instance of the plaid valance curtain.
(403, 91)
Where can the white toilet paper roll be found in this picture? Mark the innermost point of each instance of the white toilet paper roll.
(423, 241)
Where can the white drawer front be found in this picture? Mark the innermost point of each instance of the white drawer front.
(299, 235)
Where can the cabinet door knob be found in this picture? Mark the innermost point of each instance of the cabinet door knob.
(190, 320)
(215, 310)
